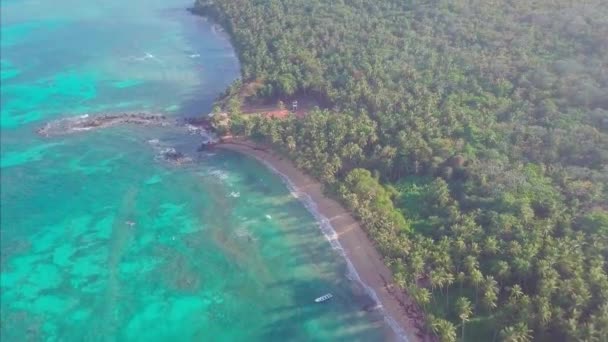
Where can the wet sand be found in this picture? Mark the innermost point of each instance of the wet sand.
(358, 248)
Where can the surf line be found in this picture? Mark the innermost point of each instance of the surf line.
(331, 235)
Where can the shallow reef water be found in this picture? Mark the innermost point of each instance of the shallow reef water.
(101, 240)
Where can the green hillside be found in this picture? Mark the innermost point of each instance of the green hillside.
(470, 138)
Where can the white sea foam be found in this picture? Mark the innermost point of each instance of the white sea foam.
(79, 129)
(166, 153)
(219, 174)
(145, 57)
(331, 236)
(192, 128)
(208, 137)
(65, 125)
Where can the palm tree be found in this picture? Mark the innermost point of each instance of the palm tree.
(400, 279)
(448, 281)
(444, 329)
(490, 293)
(516, 333)
(491, 245)
(502, 271)
(516, 292)
(421, 295)
(471, 263)
(476, 278)
(463, 306)
(460, 277)
(543, 311)
(416, 265)
(435, 279)
(460, 248)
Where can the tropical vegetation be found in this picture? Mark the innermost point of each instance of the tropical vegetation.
(470, 139)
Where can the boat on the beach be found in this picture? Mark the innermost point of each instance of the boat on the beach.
(323, 298)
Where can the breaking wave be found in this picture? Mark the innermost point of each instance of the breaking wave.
(332, 236)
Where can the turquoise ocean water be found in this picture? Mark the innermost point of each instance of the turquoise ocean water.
(219, 249)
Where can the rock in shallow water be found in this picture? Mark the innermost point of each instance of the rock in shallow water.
(88, 122)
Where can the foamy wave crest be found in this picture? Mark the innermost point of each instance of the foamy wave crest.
(65, 126)
(207, 136)
(200, 126)
(219, 174)
(330, 234)
(168, 154)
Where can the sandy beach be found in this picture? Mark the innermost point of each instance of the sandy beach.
(359, 249)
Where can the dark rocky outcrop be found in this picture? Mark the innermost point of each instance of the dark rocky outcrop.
(89, 122)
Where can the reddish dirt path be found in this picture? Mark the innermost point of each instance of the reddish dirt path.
(305, 105)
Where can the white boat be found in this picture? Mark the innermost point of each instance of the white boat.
(323, 298)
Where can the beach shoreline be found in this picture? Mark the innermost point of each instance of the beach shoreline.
(359, 251)
(365, 264)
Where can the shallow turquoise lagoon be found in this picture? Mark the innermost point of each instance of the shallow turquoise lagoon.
(101, 240)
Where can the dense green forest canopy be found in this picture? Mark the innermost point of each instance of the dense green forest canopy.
(469, 137)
